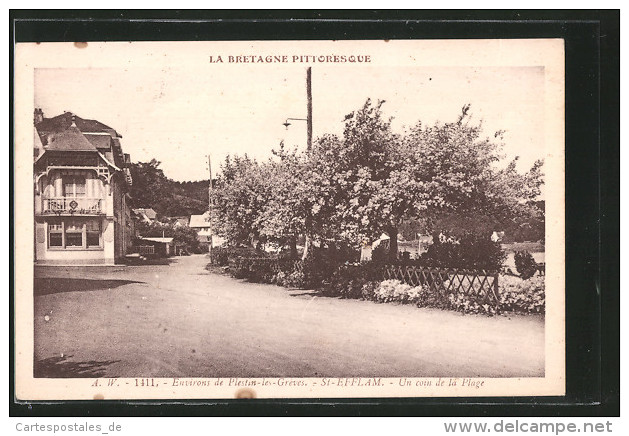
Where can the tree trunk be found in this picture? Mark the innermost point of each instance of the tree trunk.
(293, 247)
(306, 247)
(392, 232)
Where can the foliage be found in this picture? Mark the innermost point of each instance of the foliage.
(525, 264)
(153, 189)
(471, 303)
(293, 279)
(221, 256)
(352, 188)
(348, 280)
(522, 296)
(470, 251)
(240, 196)
(257, 270)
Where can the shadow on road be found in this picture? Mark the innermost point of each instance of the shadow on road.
(150, 261)
(60, 367)
(302, 293)
(46, 286)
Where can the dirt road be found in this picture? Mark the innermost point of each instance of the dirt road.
(179, 320)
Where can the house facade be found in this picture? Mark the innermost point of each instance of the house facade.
(202, 224)
(81, 184)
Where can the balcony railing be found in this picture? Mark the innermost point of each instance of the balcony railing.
(72, 206)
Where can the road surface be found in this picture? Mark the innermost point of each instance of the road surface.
(180, 320)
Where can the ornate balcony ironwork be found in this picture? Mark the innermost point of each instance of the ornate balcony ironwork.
(72, 206)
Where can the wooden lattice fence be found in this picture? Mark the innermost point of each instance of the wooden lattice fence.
(484, 283)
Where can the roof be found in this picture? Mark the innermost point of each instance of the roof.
(182, 221)
(146, 214)
(63, 121)
(160, 240)
(99, 141)
(198, 221)
(70, 139)
(150, 213)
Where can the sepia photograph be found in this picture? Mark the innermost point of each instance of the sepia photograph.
(294, 219)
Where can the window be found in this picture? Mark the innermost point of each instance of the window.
(74, 233)
(55, 235)
(73, 186)
(92, 230)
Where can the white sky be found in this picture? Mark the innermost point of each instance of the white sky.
(180, 115)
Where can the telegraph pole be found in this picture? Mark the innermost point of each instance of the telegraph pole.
(309, 104)
(309, 143)
(209, 209)
(308, 121)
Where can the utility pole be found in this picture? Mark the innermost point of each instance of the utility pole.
(309, 143)
(308, 121)
(209, 208)
(309, 104)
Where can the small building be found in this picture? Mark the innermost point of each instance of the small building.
(146, 215)
(201, 223)
(180, 221)
(155, 247)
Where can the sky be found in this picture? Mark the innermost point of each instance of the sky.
(179, 116)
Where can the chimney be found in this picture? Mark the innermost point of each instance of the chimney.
(38, 116)
(73, 121)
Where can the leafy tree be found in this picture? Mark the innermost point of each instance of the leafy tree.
(239, 199)
(369, 181)
(153, 189)
(465, 189)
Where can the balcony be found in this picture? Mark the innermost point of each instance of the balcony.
(72, 206)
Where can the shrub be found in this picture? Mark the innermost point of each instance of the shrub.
(471, 251)
(222, 256)
(471, 303)
(396, 291)
(522, 296)
(319, 267)
(391, 290)
(525, 264)
(293, 279)
(348, 280)
(258, 270)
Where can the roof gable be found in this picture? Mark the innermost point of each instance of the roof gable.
(70, 139)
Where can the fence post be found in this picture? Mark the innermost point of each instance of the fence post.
(496, 292)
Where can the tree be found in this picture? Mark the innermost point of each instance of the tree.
(153, 189)
(464, 186)
(239, 198)
(369, 181)
(368, 189)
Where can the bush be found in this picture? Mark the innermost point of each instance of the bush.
(396, 291)
(293, 279)
(471, 303)
(348, 280)
(470, 251)
(522, 296)
(222, 256)
(525, 264)
(257, 270)
(318, 268)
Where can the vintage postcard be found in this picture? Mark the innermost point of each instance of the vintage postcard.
(289, 219)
